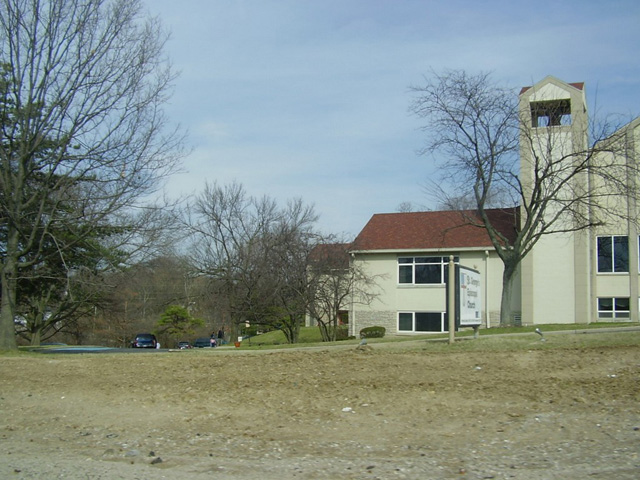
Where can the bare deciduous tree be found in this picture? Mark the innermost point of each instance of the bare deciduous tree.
(478, 128)
(82, 139)
(257, 252)
(337, 284)
(404, 207)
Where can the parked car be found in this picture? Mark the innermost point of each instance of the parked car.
(184, 345)
(144, 340)
(202, 342)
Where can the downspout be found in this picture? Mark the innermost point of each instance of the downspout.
(352, 317)
(486, 289)
(634, 263)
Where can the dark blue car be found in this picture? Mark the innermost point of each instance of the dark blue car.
(144, 340)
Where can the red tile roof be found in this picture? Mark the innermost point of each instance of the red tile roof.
(449, 229)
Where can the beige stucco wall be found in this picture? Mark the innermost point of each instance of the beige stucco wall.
(618, 284)
(550, 284)
(559, 271)
(555, 275)
(551, 89)
(394, 297)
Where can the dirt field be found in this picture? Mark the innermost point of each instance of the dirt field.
(406, 411)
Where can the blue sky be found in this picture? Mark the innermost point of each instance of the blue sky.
(309, 98)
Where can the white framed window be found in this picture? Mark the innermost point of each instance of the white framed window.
(613, 254)
(423, 270)
(416, 322)
(613, 307)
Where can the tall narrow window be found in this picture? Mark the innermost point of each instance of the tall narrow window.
(613, 254)
(405, 322)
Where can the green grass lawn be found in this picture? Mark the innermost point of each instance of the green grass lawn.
(491, 339)
(310, 336)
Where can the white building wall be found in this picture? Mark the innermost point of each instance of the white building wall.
(394, 297)
(549, 91)
(552, 281)
(555, 274)
(558, 281)
(616, 285)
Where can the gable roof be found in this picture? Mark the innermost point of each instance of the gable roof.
(448, 229)
(578, 85)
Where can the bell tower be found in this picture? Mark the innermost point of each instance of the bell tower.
(555, 275)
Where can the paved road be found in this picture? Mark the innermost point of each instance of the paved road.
(230, 349)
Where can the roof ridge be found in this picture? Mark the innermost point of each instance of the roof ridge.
(439, 229)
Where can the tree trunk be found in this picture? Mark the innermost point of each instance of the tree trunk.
(8, 274)
(35, 338)
(294, 329)
(506, 317)
(324, 332)
(334, 328)
(7, 328)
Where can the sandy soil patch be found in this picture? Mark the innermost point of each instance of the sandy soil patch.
(323, 414)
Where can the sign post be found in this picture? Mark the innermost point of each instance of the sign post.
(451, 308)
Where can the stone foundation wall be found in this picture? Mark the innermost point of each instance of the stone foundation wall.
(385, 319)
